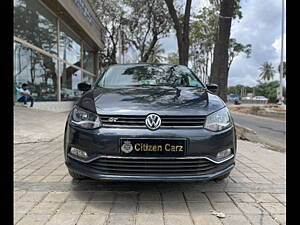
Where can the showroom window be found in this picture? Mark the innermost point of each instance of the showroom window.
(70, 77)
(88, 58)
(36, 56)
(70, 46)
(37, 70)
(35, 24)
(88, 78)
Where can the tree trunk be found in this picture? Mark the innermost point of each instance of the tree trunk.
(146, 56)
(185, 34)
(182, 30)
(219, 69)
(113, 56)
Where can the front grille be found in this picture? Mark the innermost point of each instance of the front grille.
(166, 121)
(153, 166)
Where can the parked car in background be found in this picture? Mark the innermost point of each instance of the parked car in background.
(247, 98)
(237, 101)
(260, 98)
(234, 98)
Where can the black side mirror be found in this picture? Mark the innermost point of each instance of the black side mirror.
(84, 86)
(212, 87)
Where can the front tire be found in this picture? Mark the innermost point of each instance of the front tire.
(76, 176)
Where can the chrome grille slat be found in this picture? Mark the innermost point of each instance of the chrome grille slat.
(181, 122)
(126, 121)
(124, 118)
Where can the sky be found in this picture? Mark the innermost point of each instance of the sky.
(260, 27)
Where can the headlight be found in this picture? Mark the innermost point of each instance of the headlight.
(85, 119)
(218, 120)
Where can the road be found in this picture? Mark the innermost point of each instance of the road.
(270, 131)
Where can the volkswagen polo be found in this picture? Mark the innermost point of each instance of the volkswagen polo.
(149, 122)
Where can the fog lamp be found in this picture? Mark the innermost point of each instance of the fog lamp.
(79, 153)
(224, 153)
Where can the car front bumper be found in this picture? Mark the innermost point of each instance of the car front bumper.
(106, 163)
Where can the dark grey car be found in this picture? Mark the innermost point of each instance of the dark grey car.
(149, 122)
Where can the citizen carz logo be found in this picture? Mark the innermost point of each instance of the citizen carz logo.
(153, 121)
(127, 147)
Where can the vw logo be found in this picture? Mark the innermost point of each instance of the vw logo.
(153, 121)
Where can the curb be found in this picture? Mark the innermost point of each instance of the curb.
(245, 128)
(245, 133)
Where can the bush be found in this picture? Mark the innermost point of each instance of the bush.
(268, 90)
(254, 109)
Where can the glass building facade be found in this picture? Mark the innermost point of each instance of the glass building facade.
(49, 55)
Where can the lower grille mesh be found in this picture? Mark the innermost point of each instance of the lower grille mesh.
(153, 166)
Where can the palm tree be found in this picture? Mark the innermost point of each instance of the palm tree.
(267, 71)
(284, 69)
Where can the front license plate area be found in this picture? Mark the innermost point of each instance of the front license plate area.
(152, 147)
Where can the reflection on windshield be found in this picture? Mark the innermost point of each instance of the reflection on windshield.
(149, 75)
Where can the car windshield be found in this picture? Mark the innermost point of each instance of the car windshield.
(149, 75)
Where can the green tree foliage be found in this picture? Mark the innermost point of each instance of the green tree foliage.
(143, 21)
(156, 54)
(173, 58)
(238, 89)
(204, 29)
(147, 22)
(112, 15)
(267, 71)
(268, 90)
(235, 48)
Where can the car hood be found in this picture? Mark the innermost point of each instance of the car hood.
(160, 100)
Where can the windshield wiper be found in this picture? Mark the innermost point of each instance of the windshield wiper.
(190, 86)
(142, 85)
(149, 85)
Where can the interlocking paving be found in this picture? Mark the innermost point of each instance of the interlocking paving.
(45, 193)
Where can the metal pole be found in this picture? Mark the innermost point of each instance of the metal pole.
(58, 62)
(15, 71)
(81, 61)
(120, 45)
(281, 62)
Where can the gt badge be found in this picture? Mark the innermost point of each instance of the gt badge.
(113, 119)
(127, 147)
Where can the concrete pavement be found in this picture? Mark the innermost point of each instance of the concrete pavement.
(33, 125)
(44, 193)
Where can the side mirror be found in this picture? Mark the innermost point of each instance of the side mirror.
(212, 87)
(84, 86)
